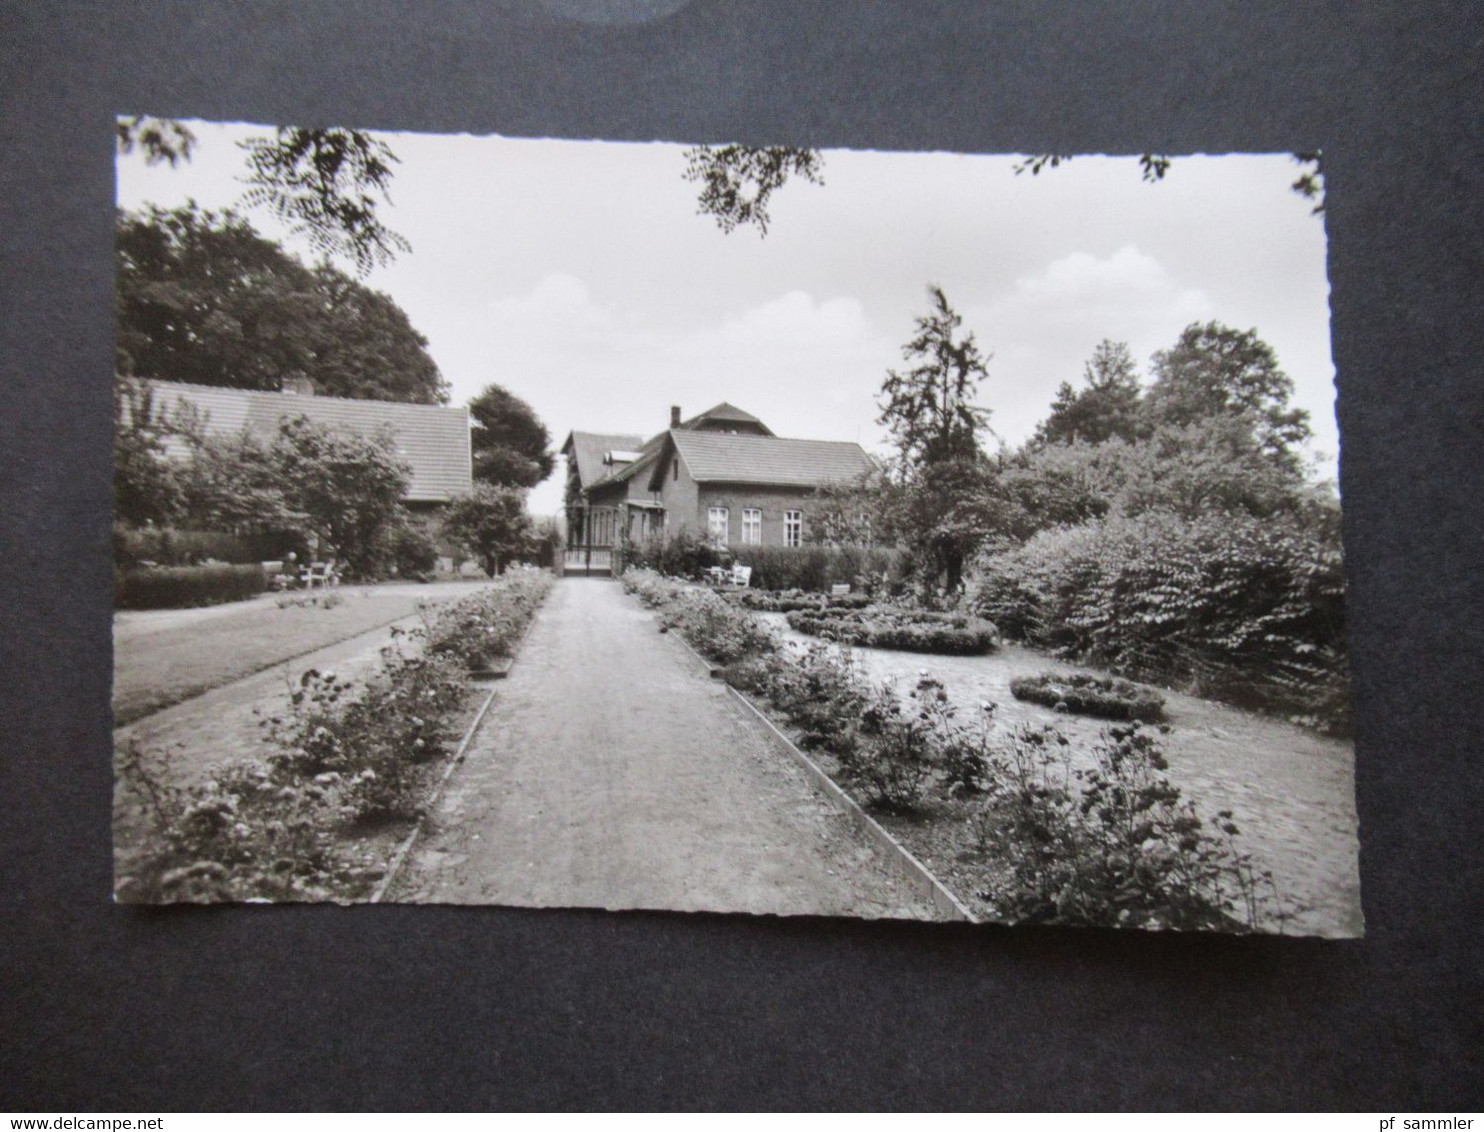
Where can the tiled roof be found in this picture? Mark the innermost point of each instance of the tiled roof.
(726, 411)
(590, 448)
(723, 458)
(432, 439)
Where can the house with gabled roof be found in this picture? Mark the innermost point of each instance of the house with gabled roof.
(721, 475)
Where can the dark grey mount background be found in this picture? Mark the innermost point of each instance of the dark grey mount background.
(125, 1009)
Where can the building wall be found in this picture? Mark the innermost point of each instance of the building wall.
(687, 504)
(679, 496)
(772, 502)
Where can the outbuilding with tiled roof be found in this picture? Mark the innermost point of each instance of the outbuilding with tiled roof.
(433, 440)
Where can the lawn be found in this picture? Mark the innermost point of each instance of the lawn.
(166, 657)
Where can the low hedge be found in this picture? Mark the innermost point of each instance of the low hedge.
(179, 587)
(907, 630)
(170, 546)
(1104, 697)
(766, 601)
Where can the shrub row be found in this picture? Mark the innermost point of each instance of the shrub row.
(169, 546)
(177, 587)
(786, 601)
(486, 627)
(909, 630)
(815, 569)
(811, 569)
(1102, 696)
(1113, 846)
(1244, 611)
(271, 828)
(719, 629)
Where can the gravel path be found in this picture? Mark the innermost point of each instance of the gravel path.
(612, 773)
(1292, 791)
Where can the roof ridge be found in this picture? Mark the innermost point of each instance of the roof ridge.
(732, 437)
(298, 397)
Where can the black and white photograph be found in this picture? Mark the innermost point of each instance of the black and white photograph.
(728, 528)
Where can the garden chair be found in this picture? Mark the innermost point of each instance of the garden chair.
(741, 576)
(322, 572)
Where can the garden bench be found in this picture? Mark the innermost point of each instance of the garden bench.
(741, 576)
(322, 572)
(840, 589)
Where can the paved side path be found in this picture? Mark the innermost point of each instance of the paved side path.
(613, 773)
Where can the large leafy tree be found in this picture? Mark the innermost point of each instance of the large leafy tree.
(1216, 371)
(348, 487)
(490, 523)
(1106, 406)
(511, 446)
(203, 297)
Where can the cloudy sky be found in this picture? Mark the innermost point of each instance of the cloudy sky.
(579, 275)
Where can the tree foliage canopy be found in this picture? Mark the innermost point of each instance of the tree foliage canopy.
(203, 297)
(490, 523)
(146, 488)
(930, 414)
(738, 181)
(326, 184)
(1215, 371)
(511, 446)
(929, 409)
(349, 488)
(1107, 406)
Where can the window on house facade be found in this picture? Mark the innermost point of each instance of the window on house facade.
(716, 524)
(752, 526)
(793, 528)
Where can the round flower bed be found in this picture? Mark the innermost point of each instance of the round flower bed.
(1105, 697)
(908, 630)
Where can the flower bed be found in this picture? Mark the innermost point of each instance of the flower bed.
(1114, 845)
(1104, 697)
(285, 827)
(485, 627)
(891, 627)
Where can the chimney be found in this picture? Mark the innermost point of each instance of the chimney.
(674, 416)
(299, 384)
